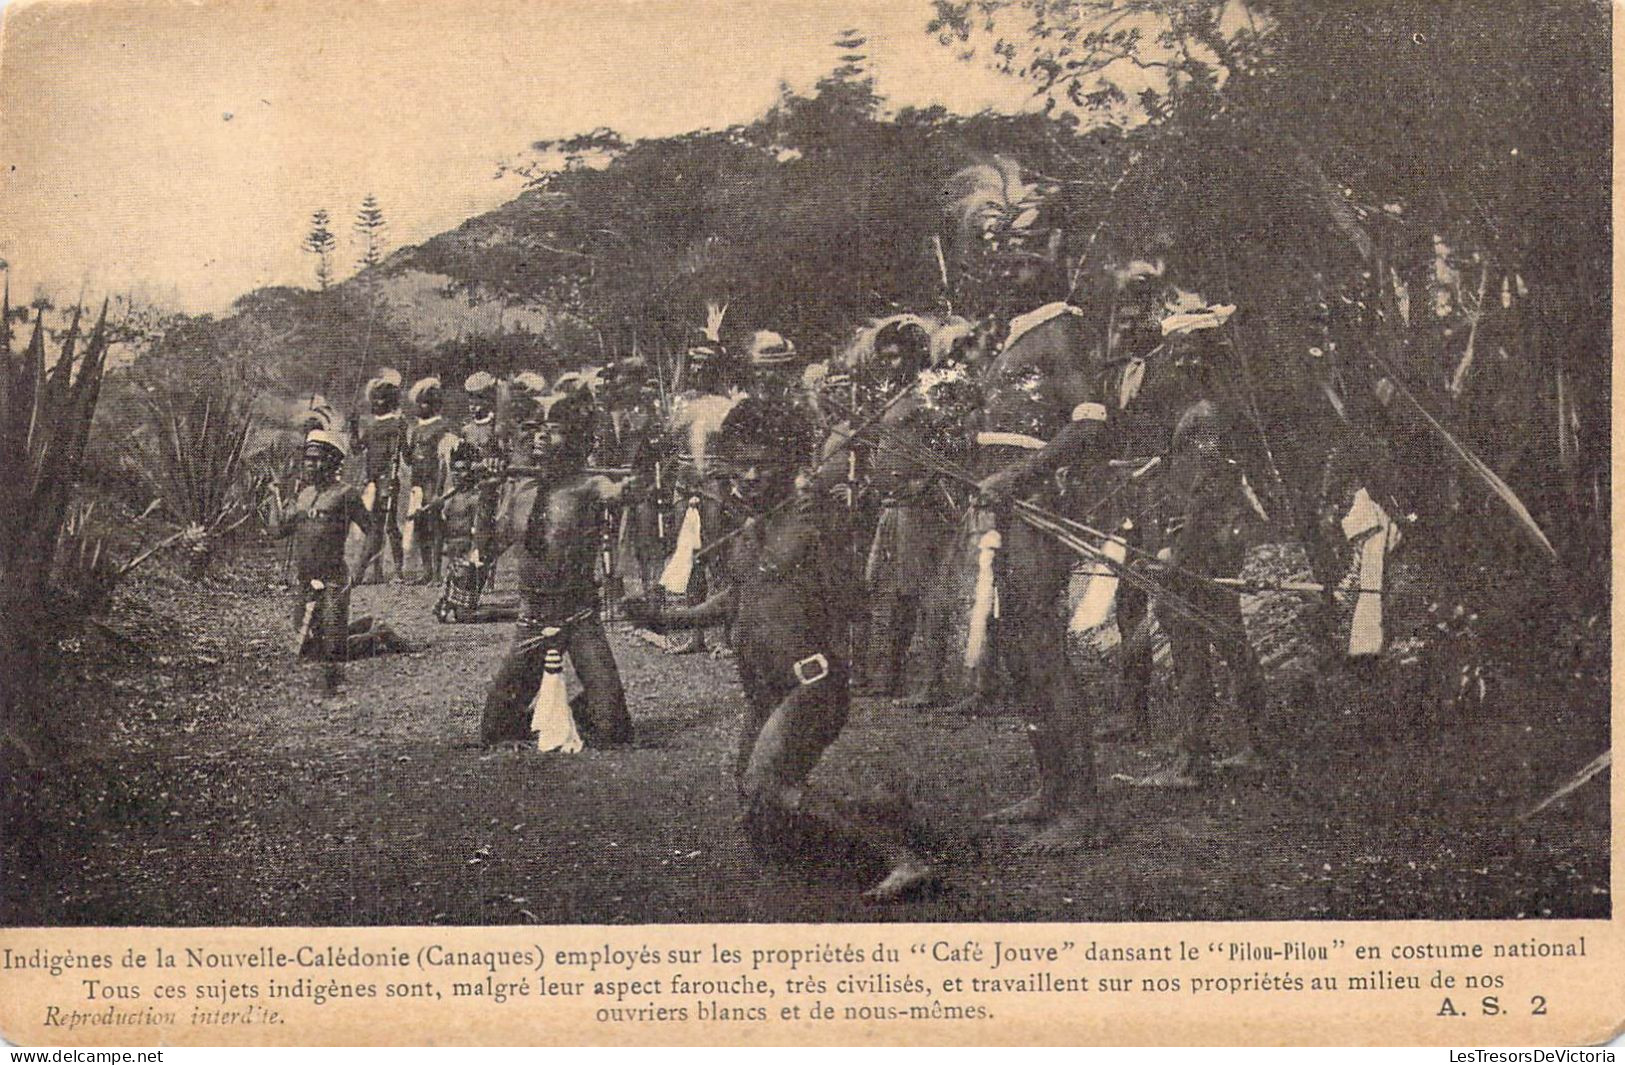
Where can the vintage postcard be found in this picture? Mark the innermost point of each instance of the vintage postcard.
(806, 522)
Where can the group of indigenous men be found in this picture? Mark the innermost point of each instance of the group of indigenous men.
(776, 504)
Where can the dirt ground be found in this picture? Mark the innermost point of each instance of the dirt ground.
(207, 785)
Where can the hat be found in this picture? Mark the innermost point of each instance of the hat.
(565, 408)
(529, 383)
(384, 379)
(768, 348)
(422, 386)
(319, 414)
(480, 383)
(326, 438)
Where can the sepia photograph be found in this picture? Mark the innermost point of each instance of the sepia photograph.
(708, 462)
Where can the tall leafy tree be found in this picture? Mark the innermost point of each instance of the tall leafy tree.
(370, 229)
(321, 243)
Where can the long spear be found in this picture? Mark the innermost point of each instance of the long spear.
(1068, 532)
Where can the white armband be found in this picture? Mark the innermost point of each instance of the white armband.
(1089, 412)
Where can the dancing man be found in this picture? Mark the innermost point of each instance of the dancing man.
(557, 589)
(1042, 410)
(487, 455)
(319, 522)
(790, 598)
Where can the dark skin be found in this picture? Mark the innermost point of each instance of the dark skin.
(319, 522)
(1213, 517)
(382, 443)
(692, 478)
(424, 460)
(466, 529)
(786, 604)
(1031, 388)
(922, 539)
(481, 432)
(557, 554)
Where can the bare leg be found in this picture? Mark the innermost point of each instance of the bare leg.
(1251, 694)
(506, 717)
(905, 616)
(1193, 672)
(1132, 718)
(781, 819)
(934, 630)
(384, 511)
(396, 551)
(600, 709)
(1033, 644)
(428, 534)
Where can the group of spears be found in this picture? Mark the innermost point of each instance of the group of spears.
(780, 504)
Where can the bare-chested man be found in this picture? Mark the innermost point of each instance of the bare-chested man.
(382, 440)
(791, 583)
(1042, 409)
(466, 525)
(427, 453)
(912, 526)
(486, 457)
(319, 522)
(557, 588)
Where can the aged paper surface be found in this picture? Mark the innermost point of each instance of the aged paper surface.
(209, 840)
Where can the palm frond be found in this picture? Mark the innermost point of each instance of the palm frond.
(1499, 488)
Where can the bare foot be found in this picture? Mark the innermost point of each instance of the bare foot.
(1033, 808)
(1069, 832)
(906, 877)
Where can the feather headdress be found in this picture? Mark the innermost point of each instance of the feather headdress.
(421, 386)
(714, 314)
(321, 425)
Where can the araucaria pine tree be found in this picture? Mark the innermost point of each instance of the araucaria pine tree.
(320, 242)
(369, 225)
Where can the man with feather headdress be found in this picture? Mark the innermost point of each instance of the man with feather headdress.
(319, 520)
(695, 417)
(558, 592)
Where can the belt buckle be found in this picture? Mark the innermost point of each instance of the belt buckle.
(804, 669)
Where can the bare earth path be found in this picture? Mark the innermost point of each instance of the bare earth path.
(213, 789)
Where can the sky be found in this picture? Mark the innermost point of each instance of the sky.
(176, 150)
